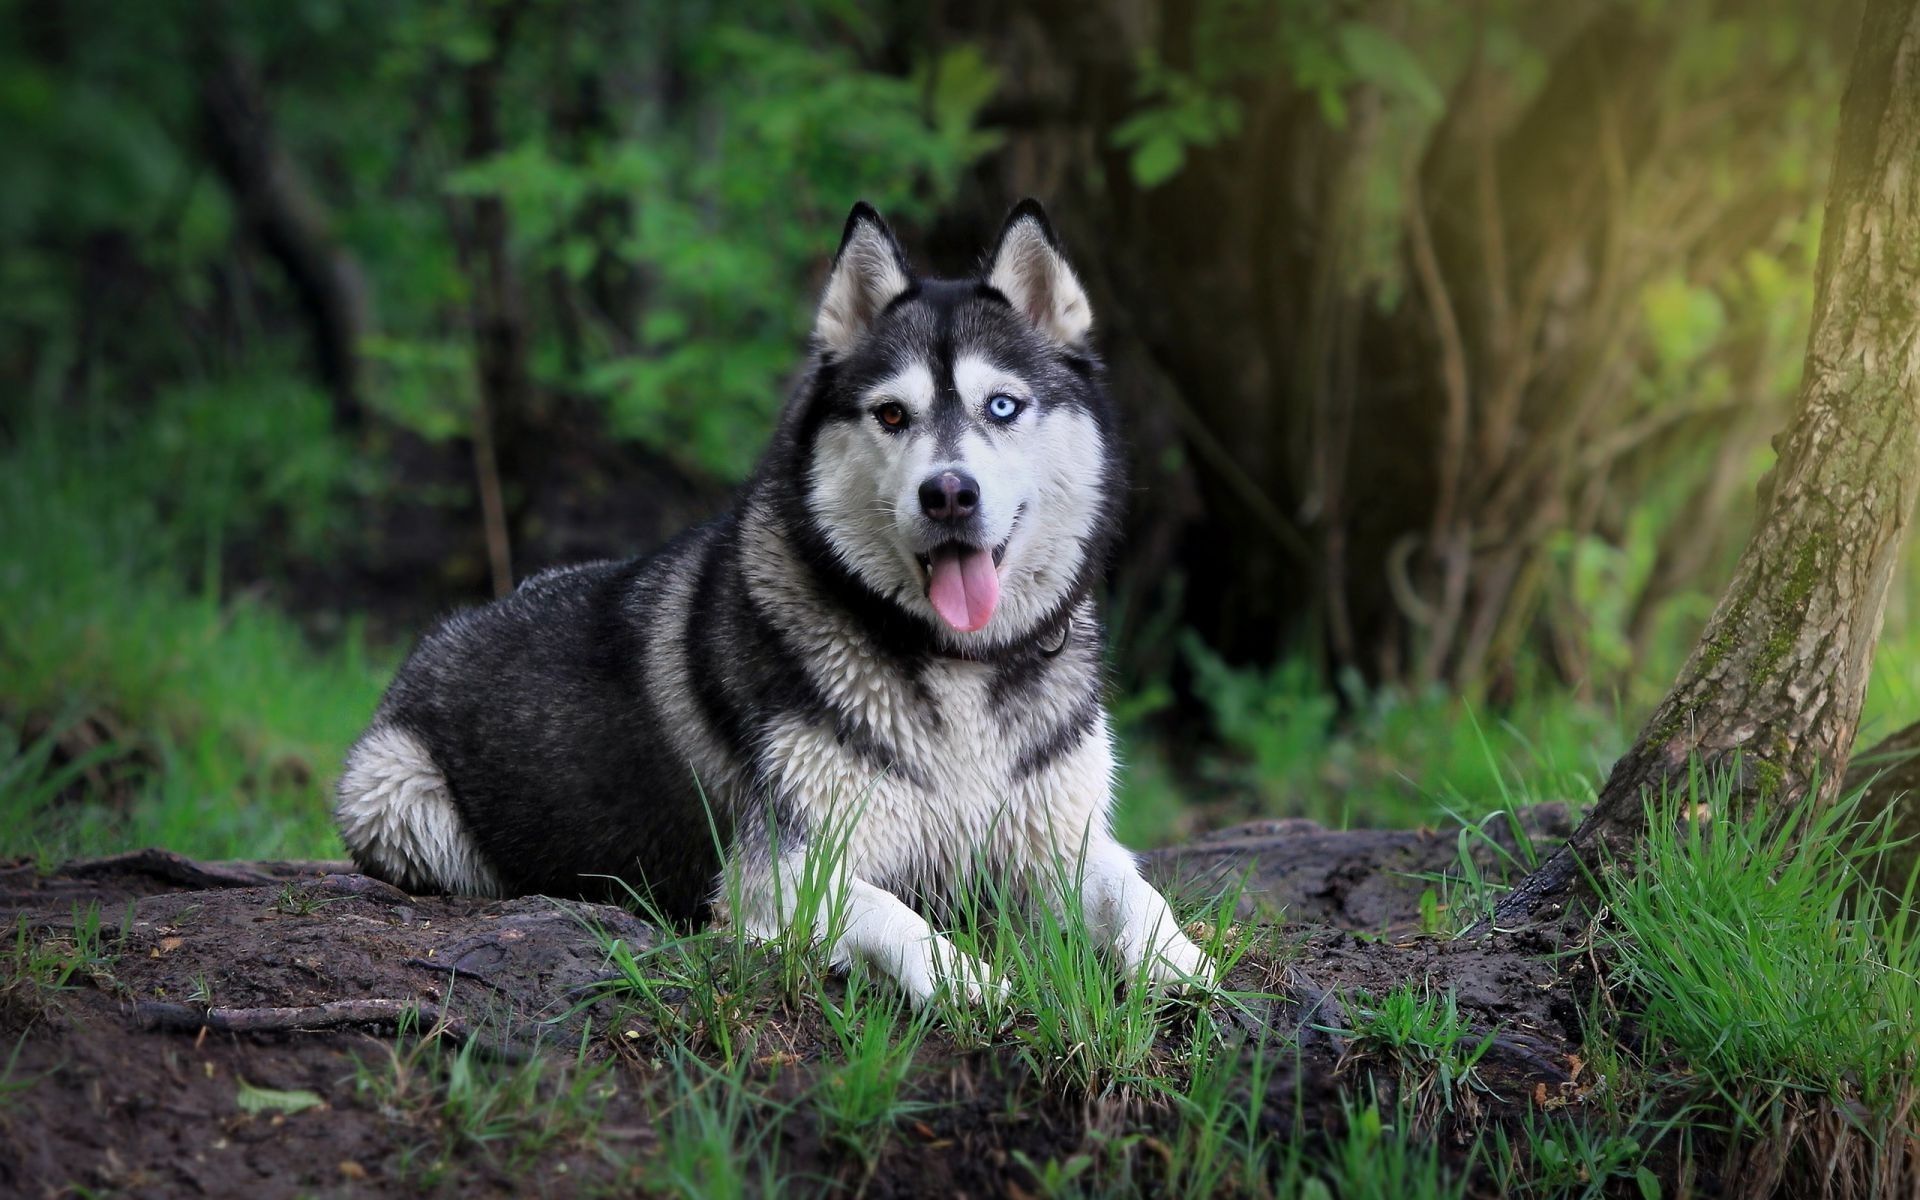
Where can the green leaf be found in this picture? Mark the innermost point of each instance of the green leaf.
(1683, 320)
(1649, 1186)
(1389, 66)
(1157, 160)
(963, 81)
(258, 1100)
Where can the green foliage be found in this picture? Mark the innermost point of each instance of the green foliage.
(211, 695)
(1375, 57)
(1395, 758)
(762, 144)
(1182, 113)
(670, 174)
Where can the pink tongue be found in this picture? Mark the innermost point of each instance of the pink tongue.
(965, 587)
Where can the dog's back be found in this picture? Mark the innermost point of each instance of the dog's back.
(518, 751)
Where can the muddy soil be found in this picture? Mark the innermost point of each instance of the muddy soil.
(229, 977)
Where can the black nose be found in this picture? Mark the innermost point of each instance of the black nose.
(949, 496)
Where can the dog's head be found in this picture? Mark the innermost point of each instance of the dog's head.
(956, 449)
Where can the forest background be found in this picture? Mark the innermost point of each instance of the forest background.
(1450, 341)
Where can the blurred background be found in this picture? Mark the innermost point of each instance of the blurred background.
(1450, 337)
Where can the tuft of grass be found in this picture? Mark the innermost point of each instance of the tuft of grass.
(461, 1101)
(1055, 1178)
(860, 1099)
(15, 1084)
(296, 900)
(45, 961)
(1077, 1022)
(200, 990)
(1425, 1035)
(1765, 971)
(702, 990)
(710, 1146)
(1565, 1160)
(708, 989)
(1220, 1147)
(1376, 1154)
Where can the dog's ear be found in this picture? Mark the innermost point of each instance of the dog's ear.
(869, 271)
(1028, 268)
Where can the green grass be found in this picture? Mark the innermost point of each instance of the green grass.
(1220, 1146)
(1766, 974)
(458, 1101)
(1381, 1153)
(1562, 1160)
(1427, 1039)
(860, 1099)
(14, 1082)
(1081, 1025)
(714, 1144)
(42, 962)
(1397, 759)
(227, 727)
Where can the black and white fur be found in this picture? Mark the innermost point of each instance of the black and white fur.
(782, 670)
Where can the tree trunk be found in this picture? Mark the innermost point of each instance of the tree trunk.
(1773, 690)
(504, 403)
(1890, 774)
(282, 213)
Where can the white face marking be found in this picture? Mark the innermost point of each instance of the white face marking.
(1041, 478)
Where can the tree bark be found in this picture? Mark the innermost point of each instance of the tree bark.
(281, 212)
(505, 399)
(1773, 690)
(1890, 775)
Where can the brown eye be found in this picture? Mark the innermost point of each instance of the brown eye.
(893, 416)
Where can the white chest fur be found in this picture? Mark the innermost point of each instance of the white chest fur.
(957, 786)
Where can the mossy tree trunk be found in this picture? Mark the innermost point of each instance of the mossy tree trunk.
(1774, 687)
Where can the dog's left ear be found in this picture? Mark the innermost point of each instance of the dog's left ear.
(1028, 269)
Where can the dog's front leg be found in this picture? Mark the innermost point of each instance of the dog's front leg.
(864, 921)
(1130, 915)
(894, 939)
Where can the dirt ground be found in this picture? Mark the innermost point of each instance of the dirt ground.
(287, 976)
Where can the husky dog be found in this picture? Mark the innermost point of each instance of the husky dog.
(893, 633)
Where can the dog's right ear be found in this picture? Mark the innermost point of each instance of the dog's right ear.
(869, 272)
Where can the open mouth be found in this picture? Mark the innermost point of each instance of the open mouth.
(963, 582)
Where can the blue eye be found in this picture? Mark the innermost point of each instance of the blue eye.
(1003, 408)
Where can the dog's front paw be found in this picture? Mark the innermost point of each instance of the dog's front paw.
(979, 986)
(1180, 965)
(947, 970)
